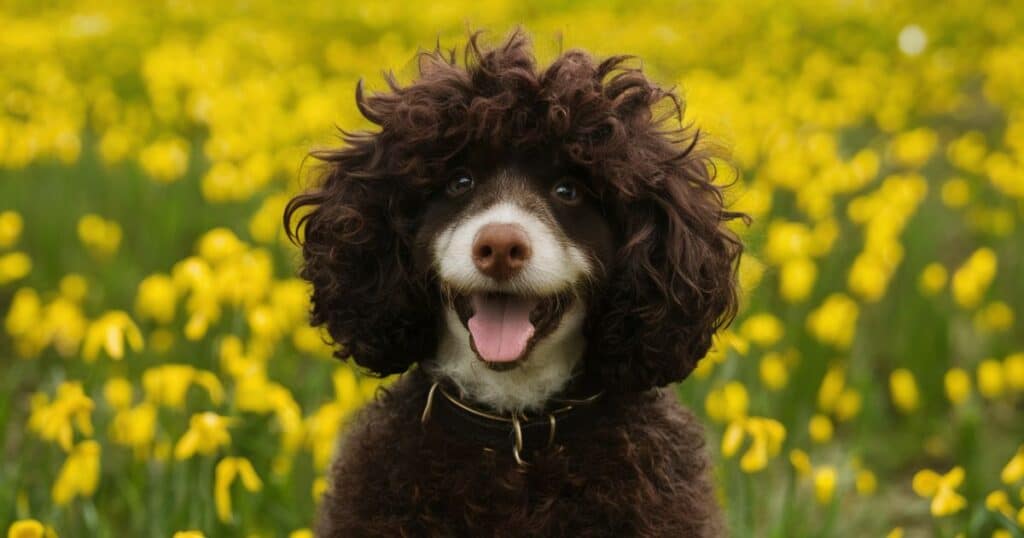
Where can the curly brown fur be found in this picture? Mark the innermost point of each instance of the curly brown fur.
(668, 288)
(639, 471)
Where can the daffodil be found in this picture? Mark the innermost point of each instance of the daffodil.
(991, 383)
(109, 333)
(1013, 471)
(835, 321)
(903, 389)
(824, 483)
(972, 279)
(56, 421)
(168, 384)
(157, 298)
(10, 228)
(80, 473)
(227, 470)
(30, 528)
(957, 383)
(102, 237)
(820, 428)
(206, 433)
(941, 489)
(14, 266)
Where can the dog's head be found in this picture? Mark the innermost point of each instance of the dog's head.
(506, 219)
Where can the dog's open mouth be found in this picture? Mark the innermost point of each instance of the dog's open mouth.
(503, 327)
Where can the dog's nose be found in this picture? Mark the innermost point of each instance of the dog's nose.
(501, 250)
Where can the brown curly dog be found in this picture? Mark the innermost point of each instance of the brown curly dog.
(541, 255)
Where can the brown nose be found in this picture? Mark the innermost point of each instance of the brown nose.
(501, 250)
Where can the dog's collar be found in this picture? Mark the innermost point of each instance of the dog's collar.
(525, 433)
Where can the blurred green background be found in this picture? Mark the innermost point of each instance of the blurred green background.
(156, 371)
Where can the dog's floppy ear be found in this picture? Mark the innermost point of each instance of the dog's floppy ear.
(356, 239)
(674, 283)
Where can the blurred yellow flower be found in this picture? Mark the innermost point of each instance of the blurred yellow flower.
(971, 280)
(831, 387)
(301, 533)
(74, 287)
(135, 427)
(896, 532)
(999, 501)
(728, 403)
(101, 237)
(956, 193)
(763, 329)
(14, 266)
(189, 534)
(958, 385)
(168, 384)
(79, 475)
(820, 428)
(10, 228)
(801, 461)
(165, 160)
(990, 378)
(993, 317)
(796, 279)
(109, 333)
(219, 245)
(227, 470)
(848, 405)
(118, 392)
(1013, 472)
(933, 279)
(866, 482)
(913, 148)
(56, 421)
(835, 321)
(824, 483)
(941, 489)
(1013, 368)
(156, 298)
(903, 389)
(773, 371)
(206, 433)
(30, 528)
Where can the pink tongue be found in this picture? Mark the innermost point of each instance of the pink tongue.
(501, 326)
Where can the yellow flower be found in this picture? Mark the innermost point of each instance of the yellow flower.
(896, 532)
(224, 475)
(933, 279)
(766, 437)
(165, 160)
(189, 534)
(787, 240)
(118, 392)
(1013, 368)
(301, 533)
(206, 433)
(848, 405)
(903, 389)
(913, 148)
(941, 489)
(1014, 469)
(110, 332)
(796, 279)
(157, 298)
(135, 427)
(79, 475)
(824, 483)
(971, 280)
(14, 266)
(820, 428)
(220, 244)
(773, 371)
(865, 482)
(168, 384)
(727, 403)
(831, 387)
(100, 236)
(990, 378)
(999, 501)
(995, 316)
(10, 228)
(57, 420)
(958, 385)
(800, 461)
(762, 329)
(956, 193)
(835, 321)
(30, 528)
(74, 287)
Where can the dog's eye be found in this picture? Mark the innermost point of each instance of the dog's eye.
(567, 191)
(459, 185)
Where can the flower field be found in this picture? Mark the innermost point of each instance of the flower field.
(157, 374)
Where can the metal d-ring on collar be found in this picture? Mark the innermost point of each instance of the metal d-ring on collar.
(514, 419)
